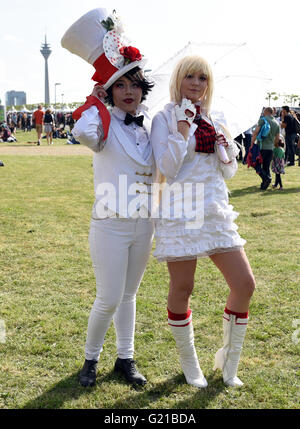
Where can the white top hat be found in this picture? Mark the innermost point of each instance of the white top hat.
(97, 38)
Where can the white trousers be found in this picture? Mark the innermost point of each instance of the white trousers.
(120, 249)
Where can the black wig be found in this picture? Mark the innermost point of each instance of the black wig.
(134, 75)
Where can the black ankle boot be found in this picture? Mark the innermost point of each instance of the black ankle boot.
(87, 376)
(128, 369)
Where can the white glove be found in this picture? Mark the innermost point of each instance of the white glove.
(227, 150)
(221, 143)
(232, 150)
(222, 154)
(186, 112)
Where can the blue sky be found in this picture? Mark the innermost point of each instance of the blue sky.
(159, 28)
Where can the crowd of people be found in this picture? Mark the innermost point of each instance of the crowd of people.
(6, 135)
(26, 121)
(59, 125)
(275, 150)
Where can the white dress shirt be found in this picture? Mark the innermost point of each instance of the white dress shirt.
(137, 135)
(92, 136)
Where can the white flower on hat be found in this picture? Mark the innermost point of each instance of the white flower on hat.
(118, 25)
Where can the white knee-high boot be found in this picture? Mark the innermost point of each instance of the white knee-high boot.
(183, 332)
(227, 358)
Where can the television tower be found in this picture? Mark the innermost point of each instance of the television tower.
(46, 51)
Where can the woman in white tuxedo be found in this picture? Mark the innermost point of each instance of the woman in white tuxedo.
(189, 148)
(121, 231)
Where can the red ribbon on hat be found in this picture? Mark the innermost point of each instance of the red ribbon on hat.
(104, 70)
(103, 112)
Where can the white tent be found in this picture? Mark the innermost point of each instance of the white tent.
(24, 110)
(65, 109)
(240, 85)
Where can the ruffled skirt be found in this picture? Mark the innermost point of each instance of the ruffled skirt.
(218, 233)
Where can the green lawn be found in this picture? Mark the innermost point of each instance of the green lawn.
(47, 289)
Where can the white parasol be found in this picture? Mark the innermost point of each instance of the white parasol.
(240, 85)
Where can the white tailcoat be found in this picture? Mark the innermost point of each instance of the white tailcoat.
(122, 178)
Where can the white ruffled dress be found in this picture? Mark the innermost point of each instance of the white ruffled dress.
(177, 160)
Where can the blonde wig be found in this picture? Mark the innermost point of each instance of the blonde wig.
(190, 65)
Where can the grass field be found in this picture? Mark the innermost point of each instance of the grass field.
(47, 289)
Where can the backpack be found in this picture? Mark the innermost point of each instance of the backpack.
(297, 125)
(264, 131)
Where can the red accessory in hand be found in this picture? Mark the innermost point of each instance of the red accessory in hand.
(103, 112)
(130, 53)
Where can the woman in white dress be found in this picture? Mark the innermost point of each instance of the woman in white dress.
(188, 149)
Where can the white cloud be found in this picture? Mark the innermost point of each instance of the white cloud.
(12, 38)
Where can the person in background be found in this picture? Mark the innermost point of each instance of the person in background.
(288, 125)
(14, 118)
(247, 143)
(240, 140)
(5, 133)
(54, 132)
(61, 119)
(278, 163)
(24, 122)
(28, 122)
(19, 121)
(12, 127)
(48, 125)
(267, 145)
(71, 123)
(38, 116)
(298, 139)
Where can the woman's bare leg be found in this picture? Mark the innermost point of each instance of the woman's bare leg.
(181, 285)
(237, 272)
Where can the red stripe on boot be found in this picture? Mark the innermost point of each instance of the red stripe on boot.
(238, 315)
(180, 326)
(174, 316)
